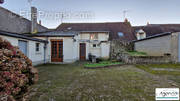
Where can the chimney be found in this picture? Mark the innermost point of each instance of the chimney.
(40, 22)
(33, 20)
(148, 24)
(126, 20)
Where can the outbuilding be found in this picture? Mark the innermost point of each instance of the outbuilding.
(33, 48)
(160, 44)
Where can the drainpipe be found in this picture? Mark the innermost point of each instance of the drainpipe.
(45, 47)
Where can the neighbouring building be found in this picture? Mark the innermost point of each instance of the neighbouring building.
(12, 22)
(33, 48)
(160, 44)
(13, 28)
(153, 29)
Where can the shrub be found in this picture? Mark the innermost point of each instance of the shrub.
(16, 72)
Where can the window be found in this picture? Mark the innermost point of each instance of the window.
(94, 36)
(94, 45)
(37, 47)
(120, 34)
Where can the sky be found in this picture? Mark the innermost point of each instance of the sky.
(53, 12)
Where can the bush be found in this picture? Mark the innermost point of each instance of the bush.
(16, 72)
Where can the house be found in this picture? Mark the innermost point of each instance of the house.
(167, 43)
(71, 46)
(68, 43)
(117, 30)
(153, 29)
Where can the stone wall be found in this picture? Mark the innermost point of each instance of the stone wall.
(143, 59)
(118, 47)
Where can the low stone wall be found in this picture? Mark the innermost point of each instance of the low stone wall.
(143, 59)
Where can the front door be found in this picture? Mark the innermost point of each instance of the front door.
(82, 51)
(57, 50)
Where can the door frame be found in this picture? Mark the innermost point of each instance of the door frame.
(80, 52)
(60, 59)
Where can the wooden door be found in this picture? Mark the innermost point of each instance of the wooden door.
(57, 50)
(82, 51)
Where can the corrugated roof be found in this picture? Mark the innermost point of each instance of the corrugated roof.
(16, 35)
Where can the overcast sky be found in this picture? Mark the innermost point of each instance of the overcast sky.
(139, 12)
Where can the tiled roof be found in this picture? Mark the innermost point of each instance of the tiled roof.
(154, 29)
(112, 27)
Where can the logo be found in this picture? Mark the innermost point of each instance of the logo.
(167, 94)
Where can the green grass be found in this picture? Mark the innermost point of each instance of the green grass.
(149, 68)
(135, 53)
(72, 82)
(102, 64)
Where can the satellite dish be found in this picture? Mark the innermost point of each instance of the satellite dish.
(1, 1)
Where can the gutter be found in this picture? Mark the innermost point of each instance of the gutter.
(154, 36)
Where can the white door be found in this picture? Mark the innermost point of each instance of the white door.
(23, 46)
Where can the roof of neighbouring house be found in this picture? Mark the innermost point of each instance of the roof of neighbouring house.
(153, 29)
(55, 34)
(112, 27)
(154, 36)
(16, 35)
(15, 23)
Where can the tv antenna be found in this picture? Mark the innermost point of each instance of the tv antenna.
(124, 13)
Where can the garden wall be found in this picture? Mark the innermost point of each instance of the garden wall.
(143, 59)
(118, 46)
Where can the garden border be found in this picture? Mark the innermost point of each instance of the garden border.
(101, 67)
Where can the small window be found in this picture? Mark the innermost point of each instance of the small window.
(37, 47)
(120, 34)
(94, 45)
(93, 36)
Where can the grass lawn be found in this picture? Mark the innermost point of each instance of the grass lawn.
(74, 83)
(135, 53)
(161, 69)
